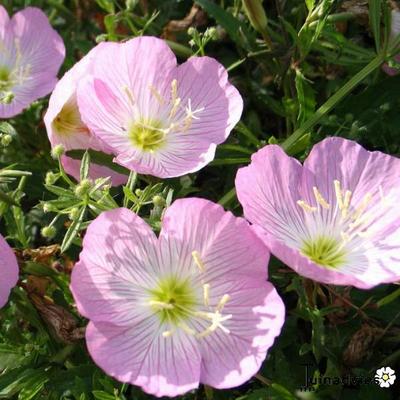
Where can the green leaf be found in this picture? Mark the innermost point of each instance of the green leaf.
(106, 5)
(374, 12)
(85, 165)
(72, 231)
(101, 395)
(305, 97)
(235, 28)
(99, 158)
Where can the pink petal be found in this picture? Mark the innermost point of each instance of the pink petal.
(226, 244)
(142, 356)
(258, 314)
(118, 259)
(204, 82)
(9, 271)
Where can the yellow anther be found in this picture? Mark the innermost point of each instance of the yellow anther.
(161, 305)
(339, 195)
(225, 298)
(156, 94)
(320, 199)
(362, 207)
(197, 260)
(174, 90)
(346, 203)
(174, 108)
(206, 294)
(129, 94)
(167, 334)
(305, 206)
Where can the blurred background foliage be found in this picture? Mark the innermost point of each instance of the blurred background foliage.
(306, 70)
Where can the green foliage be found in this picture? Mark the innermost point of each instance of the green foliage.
(311, 69)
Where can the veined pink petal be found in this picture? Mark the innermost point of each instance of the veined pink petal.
(64, 125)
(9, 271)
(253, 329)
(161, 308)
(141, 356)
(32, 53)
(158, 118)
(341, 206)
(118, 260)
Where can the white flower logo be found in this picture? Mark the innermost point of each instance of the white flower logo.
(385, 377)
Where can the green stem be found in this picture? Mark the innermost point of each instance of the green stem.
(332, 101)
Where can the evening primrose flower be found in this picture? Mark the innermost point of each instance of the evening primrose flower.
(159, 118)
(64, 124)
(31, 53)
(9, 271)
(190, 306)
(335, 219)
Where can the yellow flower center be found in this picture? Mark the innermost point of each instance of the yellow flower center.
(147, 135)
(68, 121)
(325, 251)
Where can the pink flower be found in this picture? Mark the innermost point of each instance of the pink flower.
(159, 118)
(64, 124)
(8, 269)
(190, 306)
(31, 53)
(335, 219)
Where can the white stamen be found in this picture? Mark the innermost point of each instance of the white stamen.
(167, 334)
(161, 305)
(363, 205)
(186, 328)
(206, 294)
(156, 94)
(306, 207)
(198, 261)
(225, 298)
(339, 195)
(320, 199)
(129, 94)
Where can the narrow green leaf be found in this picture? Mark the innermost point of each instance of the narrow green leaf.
(72, 231)
(101, 395)
(85, 165)
(374, 12)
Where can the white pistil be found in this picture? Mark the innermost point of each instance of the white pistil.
(190, 115)
(320, 199)
(216, 322)
(206, 294)
(198, 261)
(161, 305)
(306, 207)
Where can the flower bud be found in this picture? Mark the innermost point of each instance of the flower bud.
(51, 178)
(6, 140)
(73, 214)
(191, 31)
(57, 151)
(83, 188)
(256, 14)
(48, 232)
(158, 201)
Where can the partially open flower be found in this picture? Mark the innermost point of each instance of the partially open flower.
(8, 269)
(31, 53)
(190, 306)
(335, 219)
(159, 118)
(64, 124)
